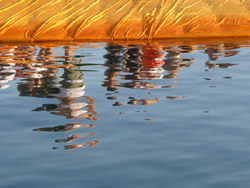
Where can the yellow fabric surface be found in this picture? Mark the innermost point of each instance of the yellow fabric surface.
(29, 20)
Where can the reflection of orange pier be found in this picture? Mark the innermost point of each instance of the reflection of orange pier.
(115, 19)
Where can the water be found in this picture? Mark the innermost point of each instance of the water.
(160, 114)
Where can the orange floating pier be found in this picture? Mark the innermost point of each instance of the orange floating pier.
(43, 20)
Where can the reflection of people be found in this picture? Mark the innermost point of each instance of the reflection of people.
(71, 108)
(70, 127)
(144, 101)
(72, 92)
(152, 62)
(139, 85)
(69, 96)
(31, 69)
(86, 144)
(139, 62)
(114, 62)
(221, 50)
(7, 73)
(73, 89)
(133, 57)
(64, 128)
(145, 63)
(6, 76)
(73, 137)
(174, 62)
(41, 80)
(218, 65)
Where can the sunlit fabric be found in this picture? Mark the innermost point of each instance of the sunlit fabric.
(35, 20)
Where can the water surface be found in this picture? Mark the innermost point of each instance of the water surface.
(158, 114)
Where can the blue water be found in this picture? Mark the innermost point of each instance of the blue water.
(161, 114)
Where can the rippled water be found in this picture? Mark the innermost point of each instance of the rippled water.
(160, 114)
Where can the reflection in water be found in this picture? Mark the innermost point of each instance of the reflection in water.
(7, 72)
(86, 144)
(223, 50)
(64, 128)
(40, 78)
(73, 137)
(71, 127)
(152, 62)
(42, 73)
(114, 63)
(138, 66)
(218, 65)
(174, 62)
(175, 97)
(144, 101)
